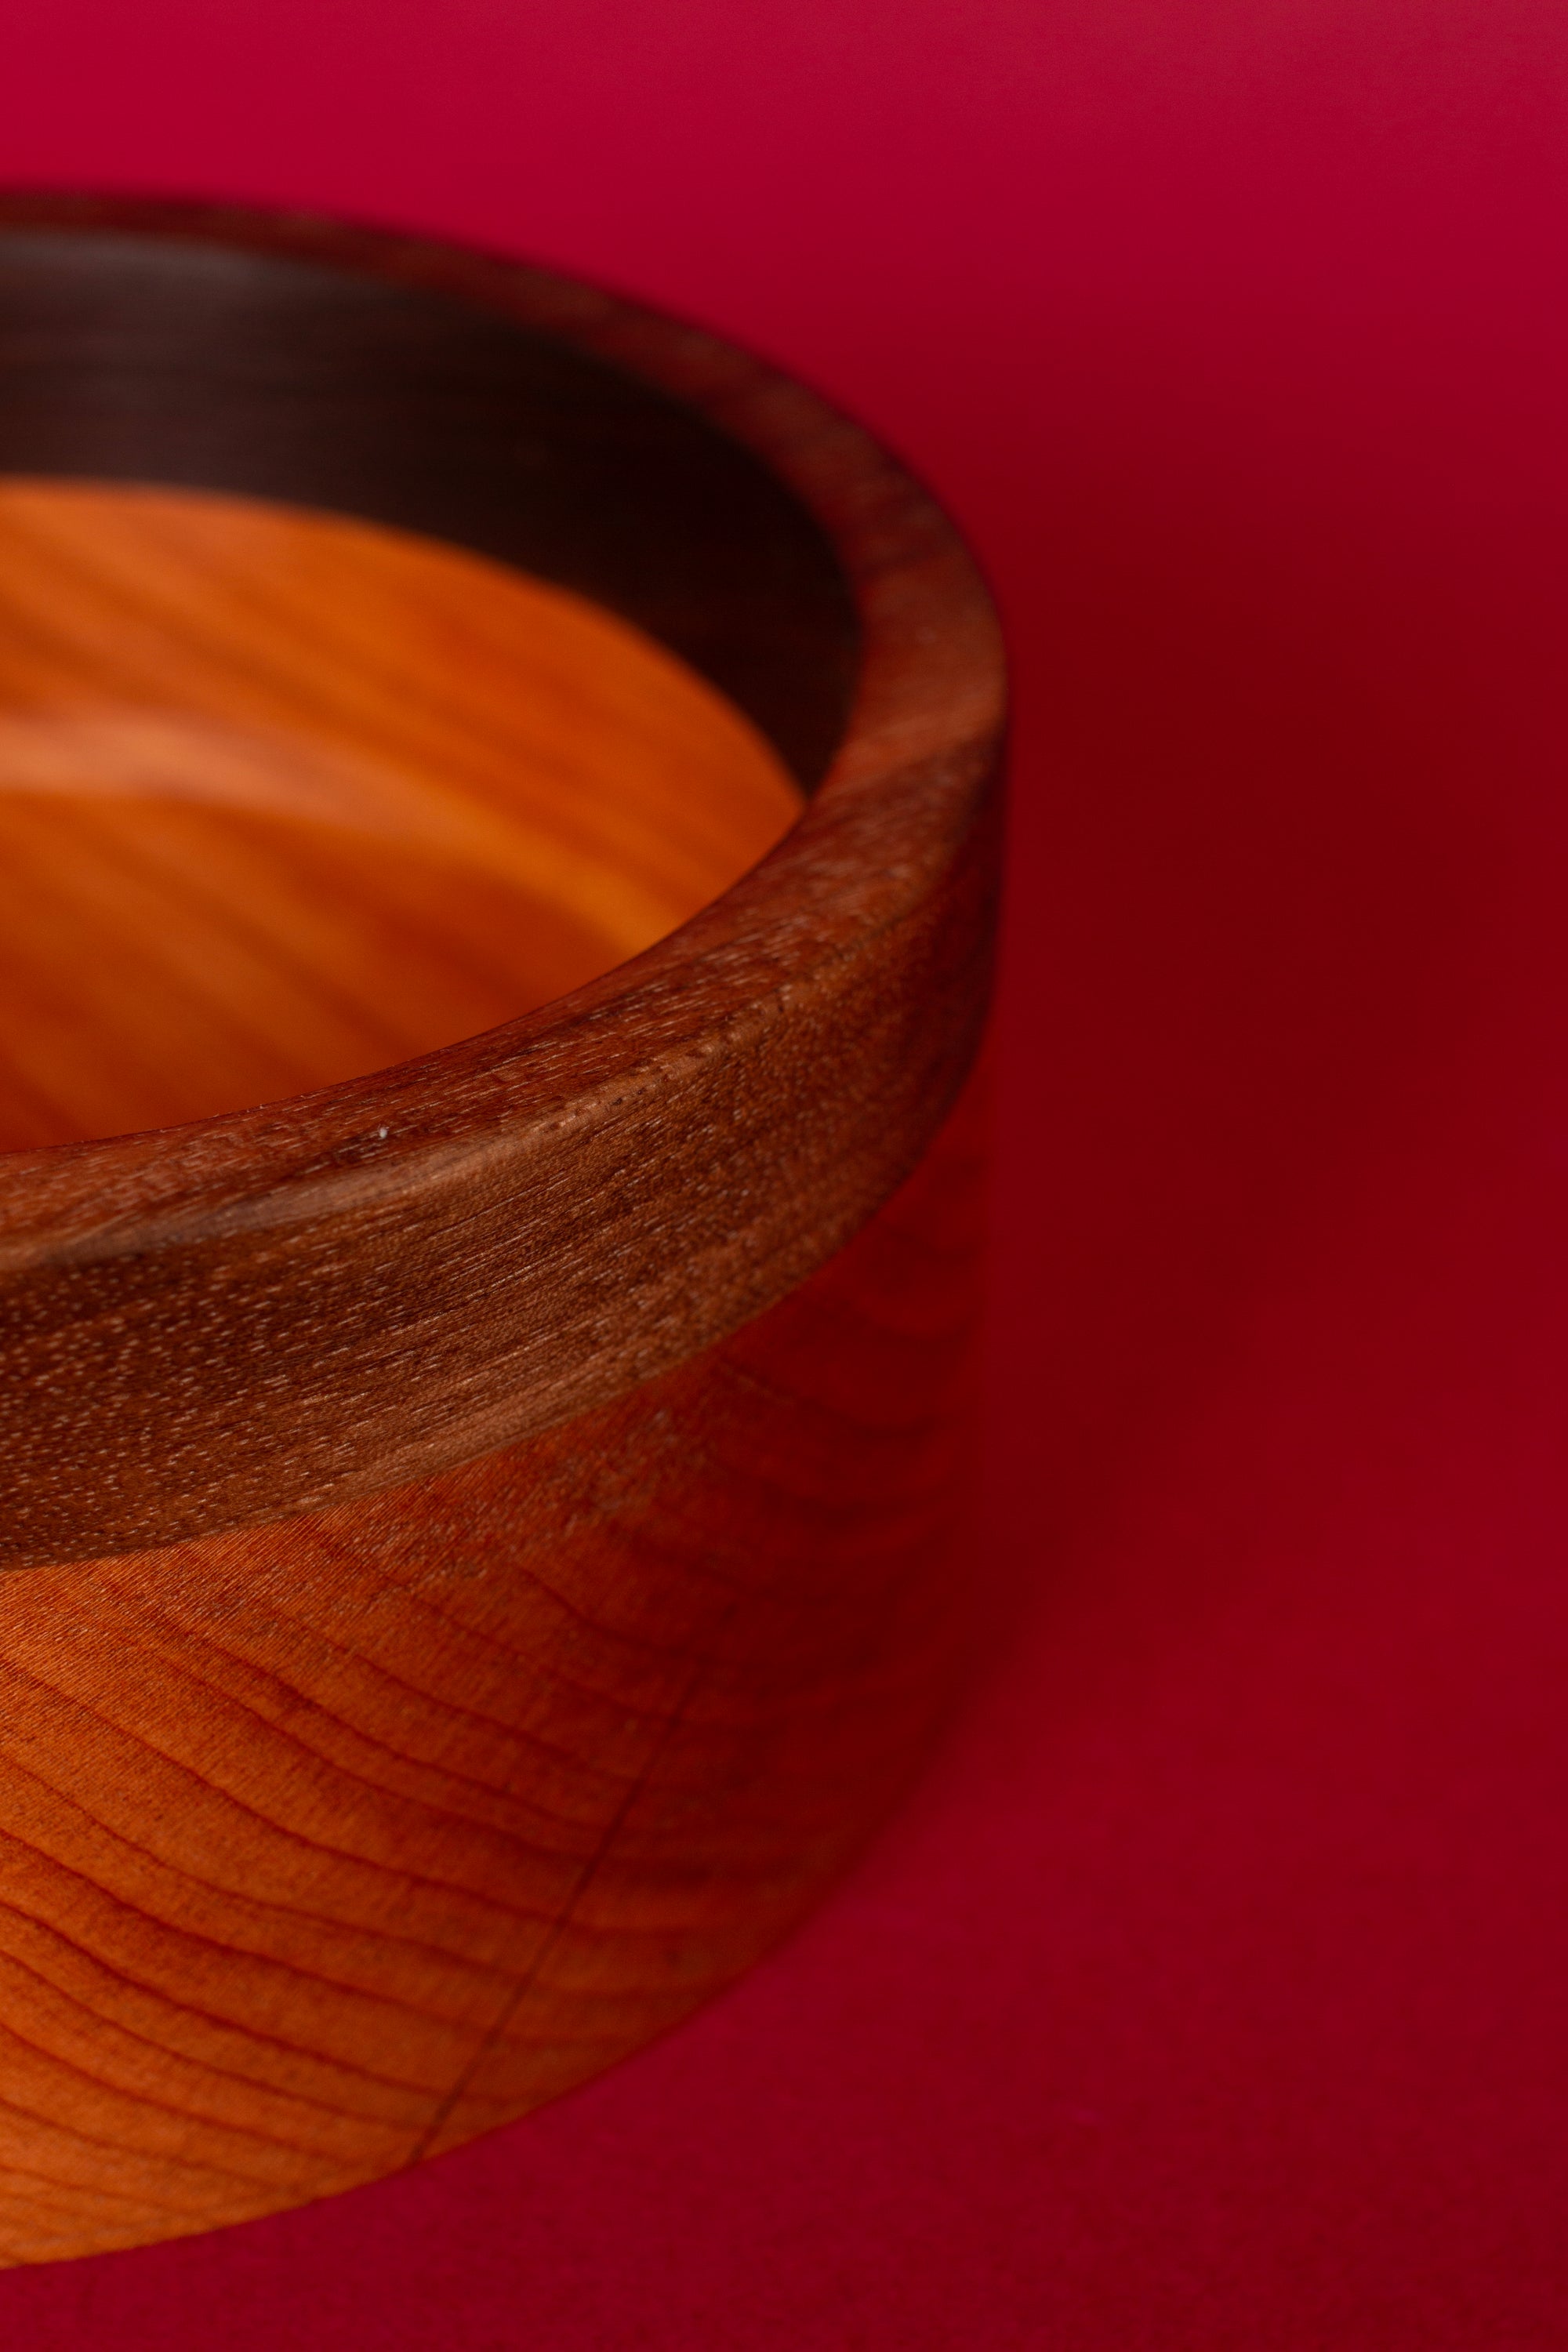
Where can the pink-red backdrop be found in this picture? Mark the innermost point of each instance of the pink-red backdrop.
(1214, 1991)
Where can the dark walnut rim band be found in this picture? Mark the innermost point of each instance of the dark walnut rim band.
(227, 1323)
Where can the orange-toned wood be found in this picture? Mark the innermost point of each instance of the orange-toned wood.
(286, 796)
(482, 1527)
(324, 1846)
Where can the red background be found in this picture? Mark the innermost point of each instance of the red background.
(1212, 1991)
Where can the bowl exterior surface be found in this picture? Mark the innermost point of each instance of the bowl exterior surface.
(327, 1845)
(487, 1531)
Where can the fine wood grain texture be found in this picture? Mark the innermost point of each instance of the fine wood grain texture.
(483, 1525)
(509, 1203)
(285, 797)
(326, 1845)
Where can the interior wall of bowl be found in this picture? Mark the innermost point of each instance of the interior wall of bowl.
(134, 356)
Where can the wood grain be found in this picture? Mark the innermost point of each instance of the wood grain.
(486, 1526)
(326, 1845)
(285, 797)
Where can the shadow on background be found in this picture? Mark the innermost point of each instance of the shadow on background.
(1256, 905)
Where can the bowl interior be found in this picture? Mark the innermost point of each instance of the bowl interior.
(286, 795)
(376, 662)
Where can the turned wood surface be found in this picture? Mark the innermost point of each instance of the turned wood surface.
(284, 359)
(286, 797)
(326, 1845)
(484, 1522)
(569, 1203)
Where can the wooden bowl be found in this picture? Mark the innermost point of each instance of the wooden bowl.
(498, 849)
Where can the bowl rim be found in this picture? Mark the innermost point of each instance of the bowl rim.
(274, 1310)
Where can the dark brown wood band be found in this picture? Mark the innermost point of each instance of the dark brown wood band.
(216, 1326)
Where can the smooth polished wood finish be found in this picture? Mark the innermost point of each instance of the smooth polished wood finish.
(509, 1205)
(485, 1525)
(326, 1846)
(286, 797)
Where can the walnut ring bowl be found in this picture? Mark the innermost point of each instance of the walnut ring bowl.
(498, 853)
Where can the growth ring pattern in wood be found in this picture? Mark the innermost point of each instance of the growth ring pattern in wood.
(487, 1521)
